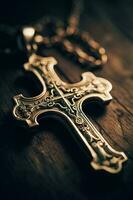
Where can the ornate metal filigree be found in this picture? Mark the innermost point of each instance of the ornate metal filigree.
(67, 99)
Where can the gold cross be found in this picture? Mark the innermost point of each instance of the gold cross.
(67, 99)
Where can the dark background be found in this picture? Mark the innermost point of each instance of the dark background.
(45, 163)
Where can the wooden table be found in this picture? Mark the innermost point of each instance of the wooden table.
(46, 163)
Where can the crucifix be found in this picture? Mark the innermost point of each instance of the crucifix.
(67, 99)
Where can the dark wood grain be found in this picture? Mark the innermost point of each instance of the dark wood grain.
(46, 163)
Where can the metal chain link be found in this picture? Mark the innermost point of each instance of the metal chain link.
(51, 32)
(68, 38)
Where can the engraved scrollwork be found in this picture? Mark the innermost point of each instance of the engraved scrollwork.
(23, 111)
(67, 99)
